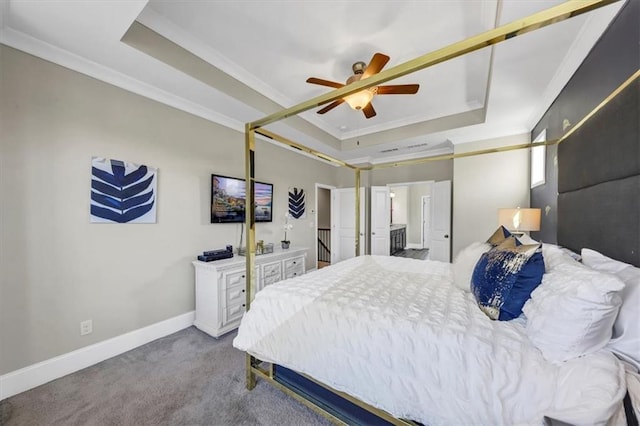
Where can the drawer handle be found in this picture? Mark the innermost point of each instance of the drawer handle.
(295, 273)
(294, 263)
(243, 305)
(243, 290)
(242, 276)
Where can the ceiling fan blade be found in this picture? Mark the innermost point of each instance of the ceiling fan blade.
(399, 89)
(378, 61)
(331, 106)
(369, 111)
(322, 82)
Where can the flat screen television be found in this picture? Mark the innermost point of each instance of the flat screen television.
(228, 196)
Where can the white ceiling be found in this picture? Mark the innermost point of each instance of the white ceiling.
(259, 54)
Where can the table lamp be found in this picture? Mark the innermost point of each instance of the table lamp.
(518, 221)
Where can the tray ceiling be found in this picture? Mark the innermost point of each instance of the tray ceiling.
(234, 62)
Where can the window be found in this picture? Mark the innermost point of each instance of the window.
(538, 155)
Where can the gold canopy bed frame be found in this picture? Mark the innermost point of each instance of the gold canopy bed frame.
(254, 367)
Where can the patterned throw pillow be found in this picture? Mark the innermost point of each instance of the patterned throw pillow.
(499, 236)
(505, 276)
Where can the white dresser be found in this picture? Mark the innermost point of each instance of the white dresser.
(220, 286)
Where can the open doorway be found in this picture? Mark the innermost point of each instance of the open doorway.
(410, 216)
(323, 225)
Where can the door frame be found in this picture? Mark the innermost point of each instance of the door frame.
(422, 200)
(315, 219)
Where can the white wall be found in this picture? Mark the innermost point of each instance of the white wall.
(57, 269)
(483, 184)
(400, 205)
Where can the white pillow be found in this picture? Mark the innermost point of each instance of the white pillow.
(526, 240)
(571, 313)
(555, 255)
(626, 330)
(465, 262)
(600, 262)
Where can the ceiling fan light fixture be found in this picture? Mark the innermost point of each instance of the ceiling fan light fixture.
(360, 99)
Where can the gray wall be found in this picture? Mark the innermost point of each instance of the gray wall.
(433, 170)
(613, 59)
(485, 183)
(57, 269)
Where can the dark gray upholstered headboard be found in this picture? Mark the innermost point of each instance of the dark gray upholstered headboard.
(584, 186)
(599, 181)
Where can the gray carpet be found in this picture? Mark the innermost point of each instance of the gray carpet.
(187, 378)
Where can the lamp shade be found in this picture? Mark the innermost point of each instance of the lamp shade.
(519, 219)
(359, 99)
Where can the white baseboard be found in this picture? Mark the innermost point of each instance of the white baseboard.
(38, 374)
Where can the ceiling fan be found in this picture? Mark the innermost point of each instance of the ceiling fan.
(362, 100)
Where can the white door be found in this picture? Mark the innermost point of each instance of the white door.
(380, 220)
(440, 221)
(343, 223)
(426, 221)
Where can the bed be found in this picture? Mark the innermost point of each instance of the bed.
(378, 340)
(399, 335)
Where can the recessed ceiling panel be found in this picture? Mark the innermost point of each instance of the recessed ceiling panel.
(254, 58)
(277, 45)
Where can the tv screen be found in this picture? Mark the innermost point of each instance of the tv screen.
(228, 196)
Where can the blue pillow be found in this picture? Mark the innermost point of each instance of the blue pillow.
(505, 276)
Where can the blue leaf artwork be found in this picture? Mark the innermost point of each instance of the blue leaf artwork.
(296, 203)
(122, 192)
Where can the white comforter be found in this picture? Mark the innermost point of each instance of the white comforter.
(397, 334)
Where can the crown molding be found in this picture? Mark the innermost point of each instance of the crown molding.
(77, 63)
(403, 157)
(66, 59)
(176, 34)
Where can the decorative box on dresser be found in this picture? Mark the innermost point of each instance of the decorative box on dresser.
(220, 286)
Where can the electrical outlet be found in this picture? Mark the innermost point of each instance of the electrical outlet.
(86, 327)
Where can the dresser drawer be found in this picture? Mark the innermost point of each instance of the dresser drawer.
(271, 269)
(235, 295)
(293, 273)
(294, 263)
(234, 312)
(271, 272)
(234, 278)
(293, 267)
(272, 279)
